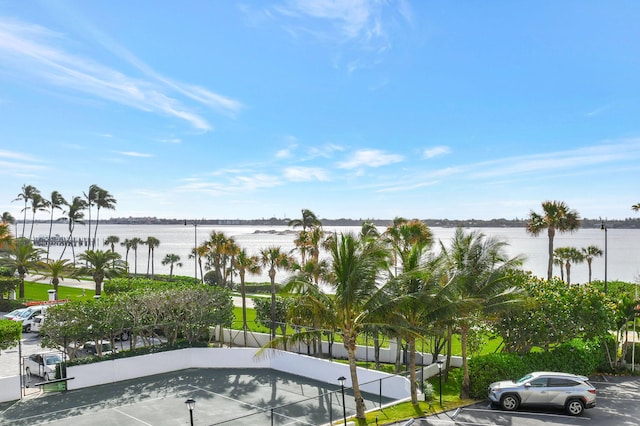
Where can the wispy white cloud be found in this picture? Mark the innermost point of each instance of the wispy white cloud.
(361, 24)
(170, 140)
(404, 188)
(305, 174)
(436, 151)
(370, 158)
(598, 111)
(19, 156)
(35, 51)
(230, 182)
(560, 161)
(135, 154)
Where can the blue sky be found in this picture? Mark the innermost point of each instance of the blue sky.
(355, 109)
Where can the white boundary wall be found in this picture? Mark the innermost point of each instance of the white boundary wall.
(112, 371)
(9, 388)
(235, 338)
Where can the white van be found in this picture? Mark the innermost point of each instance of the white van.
(27, 316)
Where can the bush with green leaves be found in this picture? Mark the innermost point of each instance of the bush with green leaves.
(10, 334)
(123, 285)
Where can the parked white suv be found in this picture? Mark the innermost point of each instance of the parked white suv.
(42, 365)
(545, 389)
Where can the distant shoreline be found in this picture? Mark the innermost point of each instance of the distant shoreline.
(630, 223)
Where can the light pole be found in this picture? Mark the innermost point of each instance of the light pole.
(195, 249)
(341, 380)
(439, 362)
(191, 404)
(603, 227)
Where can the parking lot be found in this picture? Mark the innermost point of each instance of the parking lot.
(618, 403)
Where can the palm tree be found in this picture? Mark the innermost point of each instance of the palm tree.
(75, 215)
(274, 258)
(152, 243)
(477, 268)
(127, 246)
(556, 216)
(8, 217)
(309, 220)
(171, 260)
(57, 201)
(56, 270)
(104, 200)
(635, 207)
(23, 257)
(560, 259)
(27, 193)
(356, 301)
(90, 199)
(5, 235)
(134, 243)
(101, 265)
(111, 241)
(245, 263)
(355, 268)
(573, 256)
(589, 253)
(38, 204)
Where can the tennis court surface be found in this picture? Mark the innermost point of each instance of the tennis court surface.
(223, 396)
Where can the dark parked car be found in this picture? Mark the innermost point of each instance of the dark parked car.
(545, 389)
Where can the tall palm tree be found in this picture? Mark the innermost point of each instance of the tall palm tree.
(23, 257)
(100, 265)
(635, 207)
(134, 243)
(354, 272)
(556, 216)
(56, 270)
(244, 263)
(75, 215)
(560, 259)
(38, 204)
(477, 267)
(273, 258)
(356, 301)
(90, 198)
(127, 246)
(573, 256)
(56, 202)
(104, 200)
(152, 243)
(589, 253)
(27, 193)
(172, 260)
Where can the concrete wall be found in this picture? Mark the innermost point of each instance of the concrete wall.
(318, 369)
(9, 388)
(235, 338)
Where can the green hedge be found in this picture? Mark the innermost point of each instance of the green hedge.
(577, 357)
(7, 305)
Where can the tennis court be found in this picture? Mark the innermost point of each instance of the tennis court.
(223, 396)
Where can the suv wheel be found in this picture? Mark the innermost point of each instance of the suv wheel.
(27, 328)
(574, 407)
(509, 402)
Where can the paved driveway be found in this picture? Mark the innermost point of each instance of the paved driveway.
(618, 400)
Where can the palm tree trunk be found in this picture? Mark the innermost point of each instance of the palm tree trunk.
(350, 346)
(411, 344)
(551, 233)
(272, 276)
(466, 381)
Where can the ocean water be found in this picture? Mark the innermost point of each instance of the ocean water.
(623, 245)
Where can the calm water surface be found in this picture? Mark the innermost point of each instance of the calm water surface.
(623, 245)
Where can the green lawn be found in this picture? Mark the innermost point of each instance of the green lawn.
(38, 291)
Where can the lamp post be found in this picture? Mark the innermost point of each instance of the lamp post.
(195, 249)
(191, 404)
(439, 362)
(603, 227)
(341, 380)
